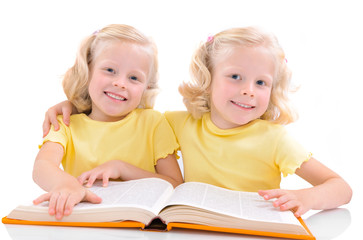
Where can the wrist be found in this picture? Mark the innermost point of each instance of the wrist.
(118, 167)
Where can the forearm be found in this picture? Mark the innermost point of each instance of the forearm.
(47, 175)
(330, 194)
(63, 190)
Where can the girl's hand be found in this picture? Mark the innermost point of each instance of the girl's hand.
(110, 169)
(296, 200)
(64, 108)
(63, 199)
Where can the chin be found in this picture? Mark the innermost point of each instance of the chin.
(243, 122)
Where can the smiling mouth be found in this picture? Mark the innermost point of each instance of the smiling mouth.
(117, 97)
(242, 105)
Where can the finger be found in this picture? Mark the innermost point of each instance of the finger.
(300, 211)
(53, 119)
(83, 177)
(61, 201)
(283, 199)
(46, 126)
(66, 115)
(92, 178)
(92, 197)
(42, 198)
(105, 179)
(289, 205)
(274, 193)
(71, 202)
(52, 203)
(262, 193)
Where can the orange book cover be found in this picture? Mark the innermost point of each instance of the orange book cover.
(170, 226)
(123, 224)
(243, 231)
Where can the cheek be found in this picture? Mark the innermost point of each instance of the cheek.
(139, 92)
(214, 96)
(265, 99)
(220, 91)
(95, 82)
(92, 88)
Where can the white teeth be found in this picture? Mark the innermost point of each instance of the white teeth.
(115, 97)
(242, 105)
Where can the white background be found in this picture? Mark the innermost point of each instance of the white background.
(322, 40)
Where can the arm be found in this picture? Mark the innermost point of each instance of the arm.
(166, 168)
(329, 191)
(64, 191)
(65, 108)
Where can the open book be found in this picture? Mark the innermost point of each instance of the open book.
(145, 202)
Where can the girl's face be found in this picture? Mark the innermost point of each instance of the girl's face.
(118, 79)
(241, 86)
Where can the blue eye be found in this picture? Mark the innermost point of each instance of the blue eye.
(110, 70)
(261, 82)
(236, 76)
(134, 78)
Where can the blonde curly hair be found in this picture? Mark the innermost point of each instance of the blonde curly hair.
(196, 93)
(76, 80)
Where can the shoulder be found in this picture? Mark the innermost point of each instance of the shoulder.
(278, 134)
(147, 113)
(76, 121)
(75, 118)
(177, 115)
(148, 117)
(268, 128)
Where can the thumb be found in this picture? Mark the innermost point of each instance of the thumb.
(92, 198)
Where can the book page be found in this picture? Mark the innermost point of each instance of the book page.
(149, 194)
(244, 205)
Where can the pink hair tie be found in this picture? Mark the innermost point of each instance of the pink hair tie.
(210, 38)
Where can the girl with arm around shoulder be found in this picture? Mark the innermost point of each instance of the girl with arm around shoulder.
(117, 135)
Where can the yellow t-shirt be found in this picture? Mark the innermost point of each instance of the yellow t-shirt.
(248, 158)
(141, 138)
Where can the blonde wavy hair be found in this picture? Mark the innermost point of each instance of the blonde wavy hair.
(196, 93)
(76, 80)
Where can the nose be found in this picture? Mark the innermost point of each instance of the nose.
(119, 82)
(248, 89)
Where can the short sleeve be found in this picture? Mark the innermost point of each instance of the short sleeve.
(177, 120)
(59, 136)
(290, 154)
(164, 140)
